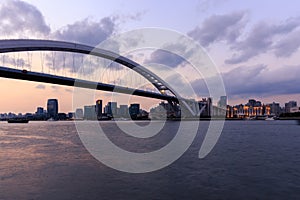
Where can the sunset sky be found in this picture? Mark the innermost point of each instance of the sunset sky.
(255, 44)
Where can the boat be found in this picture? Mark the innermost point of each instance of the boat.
(261, 117)
(18, 120)
(269, 119)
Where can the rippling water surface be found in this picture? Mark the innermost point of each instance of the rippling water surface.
(252, 160)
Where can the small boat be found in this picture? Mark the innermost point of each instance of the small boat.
(18, 120)
(269, 119)
(105, 118)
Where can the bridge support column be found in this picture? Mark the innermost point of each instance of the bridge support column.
(190, 109)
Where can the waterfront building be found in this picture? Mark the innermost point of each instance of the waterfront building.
(275, 109)
(289, 105)
(164, 110)
(123, 111)
(62, 116)
(295, 110)
(90, 112)
(79, 113)
(111, 109)
(222, 103)
(39, 111)
(251, 103)
(252, 109)
(99, 109)
(134, 110)
(71, 115)
(52, 108)
(229, 111)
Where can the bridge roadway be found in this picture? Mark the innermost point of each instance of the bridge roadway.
(60, 80)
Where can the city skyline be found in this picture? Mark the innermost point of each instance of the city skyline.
(255, 49)
(111, 107)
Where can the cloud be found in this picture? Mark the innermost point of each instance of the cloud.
(278, 38)
(205, 5)
(216, 28)
(87, 31)
(133, 16)
(40, 86)
(165, 58)
(245, 79)
(172, 55)
(288, 45)
(18, 18)
(259, 80)
(256, 80)
(261, 40)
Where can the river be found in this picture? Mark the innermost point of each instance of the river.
(251, 160)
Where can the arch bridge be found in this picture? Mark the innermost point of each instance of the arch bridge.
(22, 45)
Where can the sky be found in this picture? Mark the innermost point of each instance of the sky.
(254, 44)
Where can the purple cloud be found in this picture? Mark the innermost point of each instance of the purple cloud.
(216, 28)
(18, 18)
(261, 39)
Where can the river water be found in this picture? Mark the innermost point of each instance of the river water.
(252, 160)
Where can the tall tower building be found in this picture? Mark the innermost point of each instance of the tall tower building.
(52, 108)
(134, 110)
(222, 102)
(124, 111)
(79, 113)
(111, 108)
(99, 109)
(290, 105)
(90, 112)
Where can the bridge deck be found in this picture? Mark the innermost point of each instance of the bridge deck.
(60, 80)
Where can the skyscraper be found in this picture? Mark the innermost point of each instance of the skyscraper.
(124, 111)
(290, 105)
(52, 108)
(275, 109)
(111, 109)
(222, 102)
(90, 112)
(251, 102)
(99, 109)
(79, 113)
(39, 111)
(134, 110)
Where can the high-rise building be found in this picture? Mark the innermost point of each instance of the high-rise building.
(90, 112)
(258, 104)
(223, 102)
(111, 109)
(251, 102)
(289, 105)
(39, 111)
(79, 113)
(99, 109)
(124, 111)
(275, 109)
(52, 108)
(134, 110)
